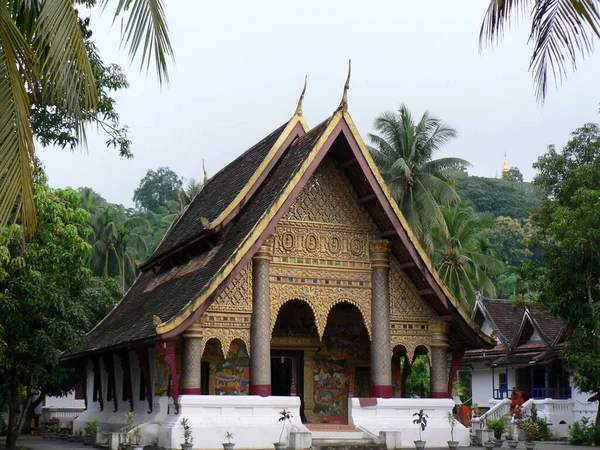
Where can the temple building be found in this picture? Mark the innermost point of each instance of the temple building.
(292, 281)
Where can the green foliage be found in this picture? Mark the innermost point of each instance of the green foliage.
(583, 432)
(535, 427)
(157, 188)
(513, 174)
(499, 197)
(497, 426)
(55, 124)
(186, 430)
(461, 254)
(567, 230)
(403, 151)
(418, 382)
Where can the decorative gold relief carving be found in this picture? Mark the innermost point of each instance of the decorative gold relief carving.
(410, 343)
(321, 241)
(321, 299)
(406, 303)
(226, 337)
(328, 197)
(237, 296)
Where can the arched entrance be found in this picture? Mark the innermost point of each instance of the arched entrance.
(294, 341)
(341, 364)
(401, 368)
(418, 383)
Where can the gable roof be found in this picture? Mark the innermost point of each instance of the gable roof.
(515, 326)
(178, 295)
(502, 316)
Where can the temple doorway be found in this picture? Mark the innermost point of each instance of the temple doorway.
(342, 363)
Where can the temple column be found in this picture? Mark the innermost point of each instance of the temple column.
(192, 355)
(439, 358)
(309, 392)
(381, 351)
(260, 329)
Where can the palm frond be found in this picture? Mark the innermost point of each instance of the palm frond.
(16, 138)
(146, 27)
(65, 71)
(561, 31)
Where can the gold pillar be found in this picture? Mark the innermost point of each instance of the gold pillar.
(192, 355)
(260, 328)
(439, 358)
(381, 363)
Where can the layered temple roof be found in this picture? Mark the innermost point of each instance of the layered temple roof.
(236, 211)
(525, 335)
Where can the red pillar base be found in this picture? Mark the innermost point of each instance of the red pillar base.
(190, 391)
(440, 395)
(381, 391)
(264, 390)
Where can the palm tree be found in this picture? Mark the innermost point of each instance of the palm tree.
(115, 243)
(562, 31)
(403, 151)
(42, 50)
(188, 194)
(462, 257)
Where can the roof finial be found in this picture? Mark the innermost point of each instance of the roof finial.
(299, 107)
(344, 103)
(205, 173)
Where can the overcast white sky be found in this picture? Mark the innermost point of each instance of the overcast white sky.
(240, 66)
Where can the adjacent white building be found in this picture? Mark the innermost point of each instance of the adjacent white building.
(527, 356)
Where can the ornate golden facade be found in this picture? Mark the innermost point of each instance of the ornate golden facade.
(321, 256)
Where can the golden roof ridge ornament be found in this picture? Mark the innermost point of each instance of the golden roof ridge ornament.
(299, 107)
(205, 173)
(344, 103)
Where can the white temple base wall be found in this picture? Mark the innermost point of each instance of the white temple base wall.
(252, 419)
(109, 421)
(396, 414)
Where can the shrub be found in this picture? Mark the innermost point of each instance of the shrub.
(582, 432)
(497, 426)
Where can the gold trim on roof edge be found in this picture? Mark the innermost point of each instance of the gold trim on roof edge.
(252, 236)
(365, 151)
(295, 120)
(266, 219)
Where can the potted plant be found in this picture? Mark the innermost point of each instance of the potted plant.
(512, 442)
(421, 422)
(285, 416)
(228, 445)
(489, 444)
(498, 427)
(452, 444)
(137, 438)
(530, 428)
(186, 432)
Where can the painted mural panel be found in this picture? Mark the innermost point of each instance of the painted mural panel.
(232, 375)
(345, 330)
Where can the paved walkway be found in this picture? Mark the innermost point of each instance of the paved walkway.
(37, 443)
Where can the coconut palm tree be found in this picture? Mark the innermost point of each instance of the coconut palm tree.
(188, 194)
(43, 52)
(461, 256)
(403, 150)
(115, 243)
(561, 31)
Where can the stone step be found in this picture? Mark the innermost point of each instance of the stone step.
(362, 444)
(334, 435)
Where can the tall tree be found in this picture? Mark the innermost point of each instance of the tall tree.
(157, 188)
(403, 151)
(44, 292)
(562, 32)
(567, 224)
(116, 244)
(462, 256)
(188, 194)
(513, 174)
(42, 50)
